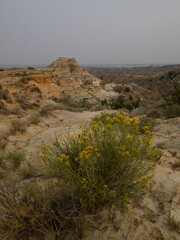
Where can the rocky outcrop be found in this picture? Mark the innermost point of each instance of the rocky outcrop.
(68, 65)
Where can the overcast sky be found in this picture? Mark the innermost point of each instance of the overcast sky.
(92, 31)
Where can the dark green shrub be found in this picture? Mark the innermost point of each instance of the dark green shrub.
(119, 103)
(127, 89)
(172, 111)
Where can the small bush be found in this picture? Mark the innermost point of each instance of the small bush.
(4, 94)
(65, 98)
(1, 69)
(35, 119)
(83, 104)
(17, 125)
(15, 111)
(16, 157)
(172, 111)
(3, 145)
(47, 109)
(120, 103)
(38, 211)
(176, 164)
(108, 163)
(172, 102)
(127, 89)
(28, 172)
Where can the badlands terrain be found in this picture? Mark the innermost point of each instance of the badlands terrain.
(49, 103)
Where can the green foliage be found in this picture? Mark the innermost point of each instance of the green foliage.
(172, 102)
(20, 74)
(172, 111)
(120, 103)
(108, 163)
(30, 68)
(16, 157)
(173, 97)
(1, 69)
(104, 102)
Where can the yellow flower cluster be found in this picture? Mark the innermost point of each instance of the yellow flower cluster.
(144, 178)
(86, 153)
(129, 138)
(127, 121)
(85, 138)
(64, 159)
(126, 153)
(145, 128)
(135, 120)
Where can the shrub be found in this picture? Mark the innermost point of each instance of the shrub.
(35, 119)
(3, 145)
(71, 104)
(172, 102)
(176, 164)
(28, 172)
(42, 211)
(4, 94)
(171, 111)
(16, 157)
(47, 109)
(120, 103)
(17, 125)
(108, 163)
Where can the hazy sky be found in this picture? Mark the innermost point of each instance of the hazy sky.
(92, 31)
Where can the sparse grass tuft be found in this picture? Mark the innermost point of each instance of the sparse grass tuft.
(17, 125)
(47, 109)
(35, 119)
(28, 172)
(16, 157)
